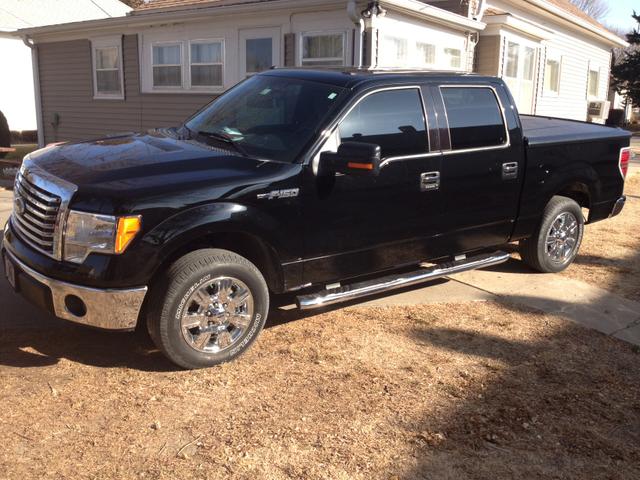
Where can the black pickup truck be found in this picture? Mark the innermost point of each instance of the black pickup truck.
(335, 185)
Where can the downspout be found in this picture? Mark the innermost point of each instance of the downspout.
(36, 87)
(356, 18)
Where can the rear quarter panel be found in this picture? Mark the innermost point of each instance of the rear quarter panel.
(581, 154)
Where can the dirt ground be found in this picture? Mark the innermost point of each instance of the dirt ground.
(610, 252)
(476, 390)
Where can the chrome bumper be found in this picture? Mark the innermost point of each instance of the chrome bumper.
(107, 309)
(619, 205)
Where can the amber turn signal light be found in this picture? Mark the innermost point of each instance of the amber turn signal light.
(128, 228)
(360, 166)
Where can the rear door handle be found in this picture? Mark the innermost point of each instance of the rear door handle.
(429, 181)
(509, 170)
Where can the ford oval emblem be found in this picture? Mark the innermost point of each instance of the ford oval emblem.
(18, 205)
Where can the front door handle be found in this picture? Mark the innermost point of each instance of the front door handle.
(429, 181)
(509, 170)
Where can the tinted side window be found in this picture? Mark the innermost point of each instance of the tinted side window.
(393, 119)
(474, 117)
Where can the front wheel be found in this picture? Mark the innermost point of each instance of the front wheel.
(208, 308)
(556, 242)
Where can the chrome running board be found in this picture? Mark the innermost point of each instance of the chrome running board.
(395, 281)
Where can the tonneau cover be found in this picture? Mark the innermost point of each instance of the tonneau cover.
(548, 131)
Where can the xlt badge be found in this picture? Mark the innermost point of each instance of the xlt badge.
(274, 194)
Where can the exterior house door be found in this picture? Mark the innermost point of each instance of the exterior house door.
(259, 50)
(520, 72)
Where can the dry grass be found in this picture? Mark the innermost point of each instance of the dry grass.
(477, 390)
(610, 253)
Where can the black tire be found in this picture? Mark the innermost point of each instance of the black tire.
(534, 250)
(196, 271)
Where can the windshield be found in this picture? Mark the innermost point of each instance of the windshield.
(268, 117)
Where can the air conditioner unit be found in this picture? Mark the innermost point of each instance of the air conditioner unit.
(598, 111)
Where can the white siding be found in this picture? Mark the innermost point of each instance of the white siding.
(579, 53)
(578, 57)
(17, 101)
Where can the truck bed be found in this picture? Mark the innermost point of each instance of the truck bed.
(548, 131)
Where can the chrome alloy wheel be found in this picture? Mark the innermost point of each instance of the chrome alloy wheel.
(217, 314)
(562, 238)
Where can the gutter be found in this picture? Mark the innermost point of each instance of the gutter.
(36, 88)
(162, 17)
(563, 14)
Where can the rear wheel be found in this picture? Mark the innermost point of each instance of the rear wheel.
(208, 308)
(556, 242)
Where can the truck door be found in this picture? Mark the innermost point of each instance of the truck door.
(482, 165)
(362, 224)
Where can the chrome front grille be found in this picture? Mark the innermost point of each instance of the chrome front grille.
(35, 214)
(40, 207)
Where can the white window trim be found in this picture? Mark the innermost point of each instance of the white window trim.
(322, 33)
(556, 58)
(207, 88)
(595, 97)
(164, 88)
(107, 42)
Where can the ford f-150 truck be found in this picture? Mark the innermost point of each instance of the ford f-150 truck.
(335, 185)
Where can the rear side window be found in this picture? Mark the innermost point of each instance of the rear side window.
(475, 119)
(393, 119)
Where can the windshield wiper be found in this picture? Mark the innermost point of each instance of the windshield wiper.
(228, 139)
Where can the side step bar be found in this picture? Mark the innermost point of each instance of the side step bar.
(395, 281)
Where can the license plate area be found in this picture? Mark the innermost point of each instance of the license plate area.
(10, 272)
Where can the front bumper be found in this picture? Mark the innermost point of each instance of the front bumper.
(618, 206)
(110, 309)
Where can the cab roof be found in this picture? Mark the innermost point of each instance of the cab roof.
(355, 77)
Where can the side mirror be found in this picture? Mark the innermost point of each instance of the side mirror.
(352, 158)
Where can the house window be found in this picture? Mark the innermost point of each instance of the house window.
(593, 87)
(207, 63)
(167, 65)
(453, 57)
(259, 53)
(552, 76)
(513, 51)
(323, 49)
(107, 69)
(426, 53)
(396, 50)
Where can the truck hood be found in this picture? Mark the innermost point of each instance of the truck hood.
(141, 160)
(154, 169)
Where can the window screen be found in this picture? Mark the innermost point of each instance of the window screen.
(393, 119)
(474, 117)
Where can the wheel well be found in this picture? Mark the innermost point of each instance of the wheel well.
(578, 192)
(249, 246)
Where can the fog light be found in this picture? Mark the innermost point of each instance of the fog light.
(75, 305)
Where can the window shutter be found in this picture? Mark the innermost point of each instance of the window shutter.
(289, 49)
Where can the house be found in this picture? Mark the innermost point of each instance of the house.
(168, 58)
(554, 57)
(17, 98)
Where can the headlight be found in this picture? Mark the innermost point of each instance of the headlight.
(87, 233)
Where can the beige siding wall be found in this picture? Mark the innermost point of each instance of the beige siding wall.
(488, 55)
(70, 112)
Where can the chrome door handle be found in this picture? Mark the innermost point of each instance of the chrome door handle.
(509, 170)
(429, 181)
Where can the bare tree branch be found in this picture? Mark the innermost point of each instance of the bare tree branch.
(597, 9)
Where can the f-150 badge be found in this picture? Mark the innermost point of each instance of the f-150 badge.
(275, 194)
